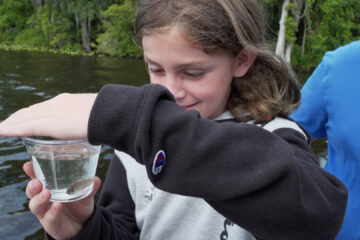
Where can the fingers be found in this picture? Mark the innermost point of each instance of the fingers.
(65, 116)
(33, 188)
(68, 112)
(31, 127)
(39, 198)
(47, 212)
(27, 121)
(97, 183)
(28, 169)
(23, 121)
(8, 126)
(52, 213)
(40, 203)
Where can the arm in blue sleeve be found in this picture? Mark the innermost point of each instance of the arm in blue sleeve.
(312, 114)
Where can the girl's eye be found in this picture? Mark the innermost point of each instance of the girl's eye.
(193, 74)
(155, 70)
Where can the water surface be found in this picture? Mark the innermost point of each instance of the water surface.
(30, 77)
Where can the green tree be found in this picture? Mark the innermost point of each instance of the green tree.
(87, 13)
(291, 14)
(69, 24)
(309, 27)
(13, 18)
(331, 24)
(320, 26)
(118, 28)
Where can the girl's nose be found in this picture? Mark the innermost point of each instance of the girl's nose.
(175, 86)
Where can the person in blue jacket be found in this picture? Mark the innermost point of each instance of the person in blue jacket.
(329, 108)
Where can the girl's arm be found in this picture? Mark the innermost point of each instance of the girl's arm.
(268, 183)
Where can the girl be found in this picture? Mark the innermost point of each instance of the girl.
(205, 151)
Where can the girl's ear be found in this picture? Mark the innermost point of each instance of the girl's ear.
(243, 61)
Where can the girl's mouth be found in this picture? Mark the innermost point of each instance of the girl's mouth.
(188, 107)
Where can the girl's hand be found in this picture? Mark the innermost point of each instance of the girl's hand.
(64, 117)
(60, 220)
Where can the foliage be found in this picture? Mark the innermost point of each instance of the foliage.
(32, 37)
(330, 24)
(13, 17)
(53, 24)
(291, 24)
(273, 11)
(106, 26)
(327, 25)
(56, 27)
(118, 26)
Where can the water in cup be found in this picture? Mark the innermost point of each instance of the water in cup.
(66, 168)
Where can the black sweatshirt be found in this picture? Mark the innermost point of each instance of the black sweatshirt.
(268, 183)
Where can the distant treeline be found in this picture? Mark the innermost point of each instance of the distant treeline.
(105, 26)
(73, 26)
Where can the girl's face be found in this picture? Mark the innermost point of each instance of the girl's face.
(197, 80)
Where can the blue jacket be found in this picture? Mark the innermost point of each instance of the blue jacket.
(330, 108)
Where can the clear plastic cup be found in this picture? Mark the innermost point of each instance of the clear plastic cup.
(65, 167)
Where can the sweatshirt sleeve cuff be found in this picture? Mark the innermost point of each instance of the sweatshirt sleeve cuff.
(112, 115)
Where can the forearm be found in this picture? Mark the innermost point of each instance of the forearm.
(305, 202)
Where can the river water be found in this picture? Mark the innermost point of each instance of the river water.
(29, 77)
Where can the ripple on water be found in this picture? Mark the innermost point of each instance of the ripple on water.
(11, 143)
(14, 211)
(48, 78)
(10, 140)
(26, 88)
(22, 225)
(13, 82)
(14, 156)
(13, 75)
(40, 94)
(8, 143)
(3, 167)
(6, 148)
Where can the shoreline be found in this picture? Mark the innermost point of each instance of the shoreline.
(16, 47)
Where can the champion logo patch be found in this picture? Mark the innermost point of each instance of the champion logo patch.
(159, 162)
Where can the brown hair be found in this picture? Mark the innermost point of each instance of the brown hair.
(270, 87)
